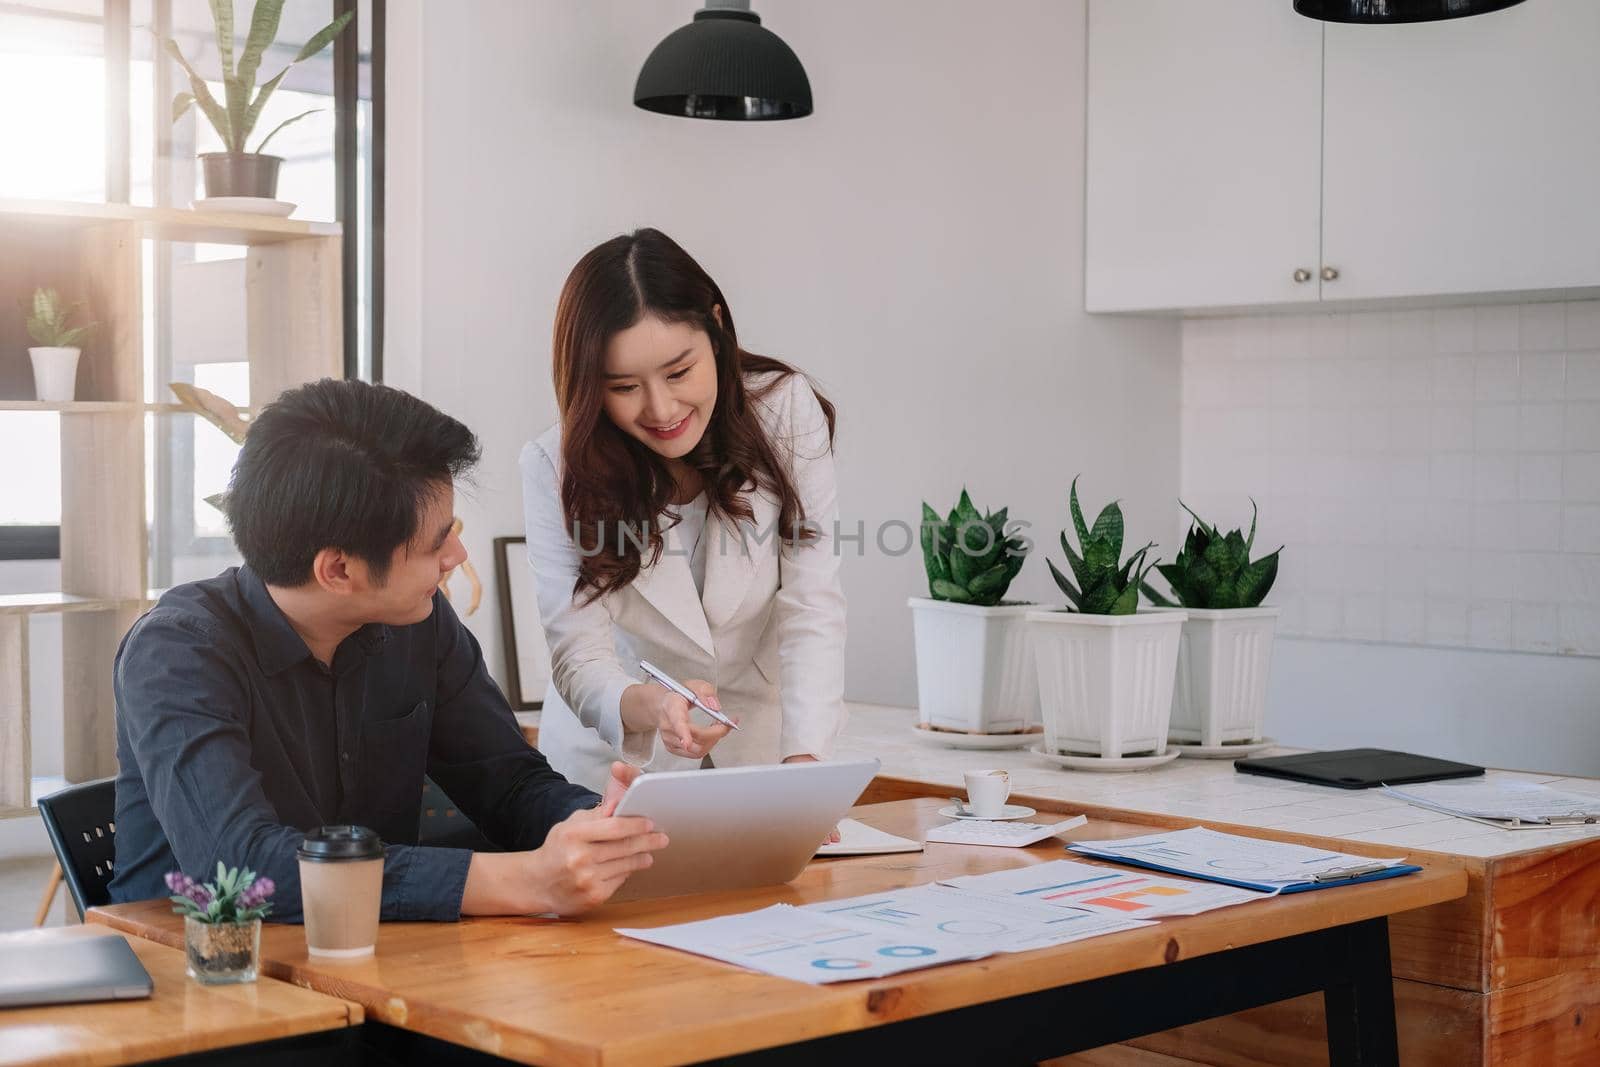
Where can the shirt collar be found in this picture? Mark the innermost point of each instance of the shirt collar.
(278, 646)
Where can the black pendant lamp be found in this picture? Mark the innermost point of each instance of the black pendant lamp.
(724, 65)
(1387, 12)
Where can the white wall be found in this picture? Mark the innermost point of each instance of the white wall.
(916, 245)
(1500, 709)
(1434, 475)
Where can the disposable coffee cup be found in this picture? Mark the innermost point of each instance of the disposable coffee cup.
(987, 791)
(341, 888)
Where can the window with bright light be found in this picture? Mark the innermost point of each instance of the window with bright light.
(67, 137)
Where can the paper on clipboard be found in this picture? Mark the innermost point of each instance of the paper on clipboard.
(1510, 805)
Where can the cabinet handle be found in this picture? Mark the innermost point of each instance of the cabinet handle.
(1301, 275)
(1330, 274)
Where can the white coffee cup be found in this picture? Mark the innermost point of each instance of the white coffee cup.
(987, 791)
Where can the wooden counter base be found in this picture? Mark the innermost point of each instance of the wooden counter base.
(1508, 974)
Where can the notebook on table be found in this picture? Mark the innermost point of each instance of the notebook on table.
(1356, 768)
(859, 839)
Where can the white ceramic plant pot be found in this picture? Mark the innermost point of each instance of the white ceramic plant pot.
(974, 667)
(55, 373)
(1105, 681)
(1221, 690)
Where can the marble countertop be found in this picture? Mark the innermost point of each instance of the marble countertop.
(1203, 789)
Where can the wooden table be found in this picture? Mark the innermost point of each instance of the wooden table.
(1508, 974)
(181, 1017)
(574, 992)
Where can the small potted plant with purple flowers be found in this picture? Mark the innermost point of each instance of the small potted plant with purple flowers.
(222, 923)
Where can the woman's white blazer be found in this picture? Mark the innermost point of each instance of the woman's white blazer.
(769, 632)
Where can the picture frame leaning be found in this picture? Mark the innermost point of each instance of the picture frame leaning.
(527, 657)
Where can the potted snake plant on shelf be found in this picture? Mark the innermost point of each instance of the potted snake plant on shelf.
(55, 357)
(1221, 693)
(974, 674)
(235, 171)
(1105, 669)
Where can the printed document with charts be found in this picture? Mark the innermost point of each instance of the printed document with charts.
(1246, 862)
(882, 933)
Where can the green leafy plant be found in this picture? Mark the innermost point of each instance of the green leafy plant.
(47, 321)
(1214, 570)
(968, 556)
(235, 118)
(236, 896)
(1104, 587)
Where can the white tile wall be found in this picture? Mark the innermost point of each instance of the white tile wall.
(1433, 475)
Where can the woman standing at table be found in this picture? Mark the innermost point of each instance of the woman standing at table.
(681, 511)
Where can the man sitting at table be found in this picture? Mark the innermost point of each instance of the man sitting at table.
(320, 681)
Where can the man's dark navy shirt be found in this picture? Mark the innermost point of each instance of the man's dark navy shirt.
(233, 741)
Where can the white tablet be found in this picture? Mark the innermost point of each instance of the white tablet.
(739, 827)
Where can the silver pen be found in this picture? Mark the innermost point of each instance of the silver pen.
(1341, 873)
(659, 675)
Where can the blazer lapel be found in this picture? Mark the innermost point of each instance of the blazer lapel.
(733, 555)
(669, 587)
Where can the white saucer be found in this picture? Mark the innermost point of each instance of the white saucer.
(1010, 811)
(977, 742)
(1100, 763)
(245, 205)
(1232, 751)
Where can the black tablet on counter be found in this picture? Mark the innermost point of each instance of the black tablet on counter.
(1357, 768)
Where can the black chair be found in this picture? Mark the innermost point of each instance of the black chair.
(443, 825)
(81, 822)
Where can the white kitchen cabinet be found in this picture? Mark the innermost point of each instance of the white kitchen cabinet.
(1463, 156)
(1233, 144)
(1204, 145)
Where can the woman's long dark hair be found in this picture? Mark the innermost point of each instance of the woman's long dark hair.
(612, 481)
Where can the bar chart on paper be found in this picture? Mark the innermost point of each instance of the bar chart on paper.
(1070, 884)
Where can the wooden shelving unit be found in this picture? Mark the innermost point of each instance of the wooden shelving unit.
(80, 407)
(93, 251)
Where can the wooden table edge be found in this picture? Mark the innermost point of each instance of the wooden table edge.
(365, 1001)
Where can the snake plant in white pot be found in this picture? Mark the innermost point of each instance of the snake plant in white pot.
(974, 671)
(1105, 669)
(55, 357)
(236, 172)
(1221, 693)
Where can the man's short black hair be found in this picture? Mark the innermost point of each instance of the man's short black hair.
(340, 464)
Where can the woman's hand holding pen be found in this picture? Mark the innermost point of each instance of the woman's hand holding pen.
(652, 707)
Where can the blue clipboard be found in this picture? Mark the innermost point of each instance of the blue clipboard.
(1259, 887)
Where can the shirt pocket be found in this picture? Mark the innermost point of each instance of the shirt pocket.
(394, 757)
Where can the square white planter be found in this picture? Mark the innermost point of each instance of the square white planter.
(1221, 689)
(974, 667)
(1105, 681)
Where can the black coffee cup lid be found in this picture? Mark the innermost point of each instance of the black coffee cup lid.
(335, 843)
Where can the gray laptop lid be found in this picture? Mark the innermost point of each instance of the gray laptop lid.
(63, 970)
